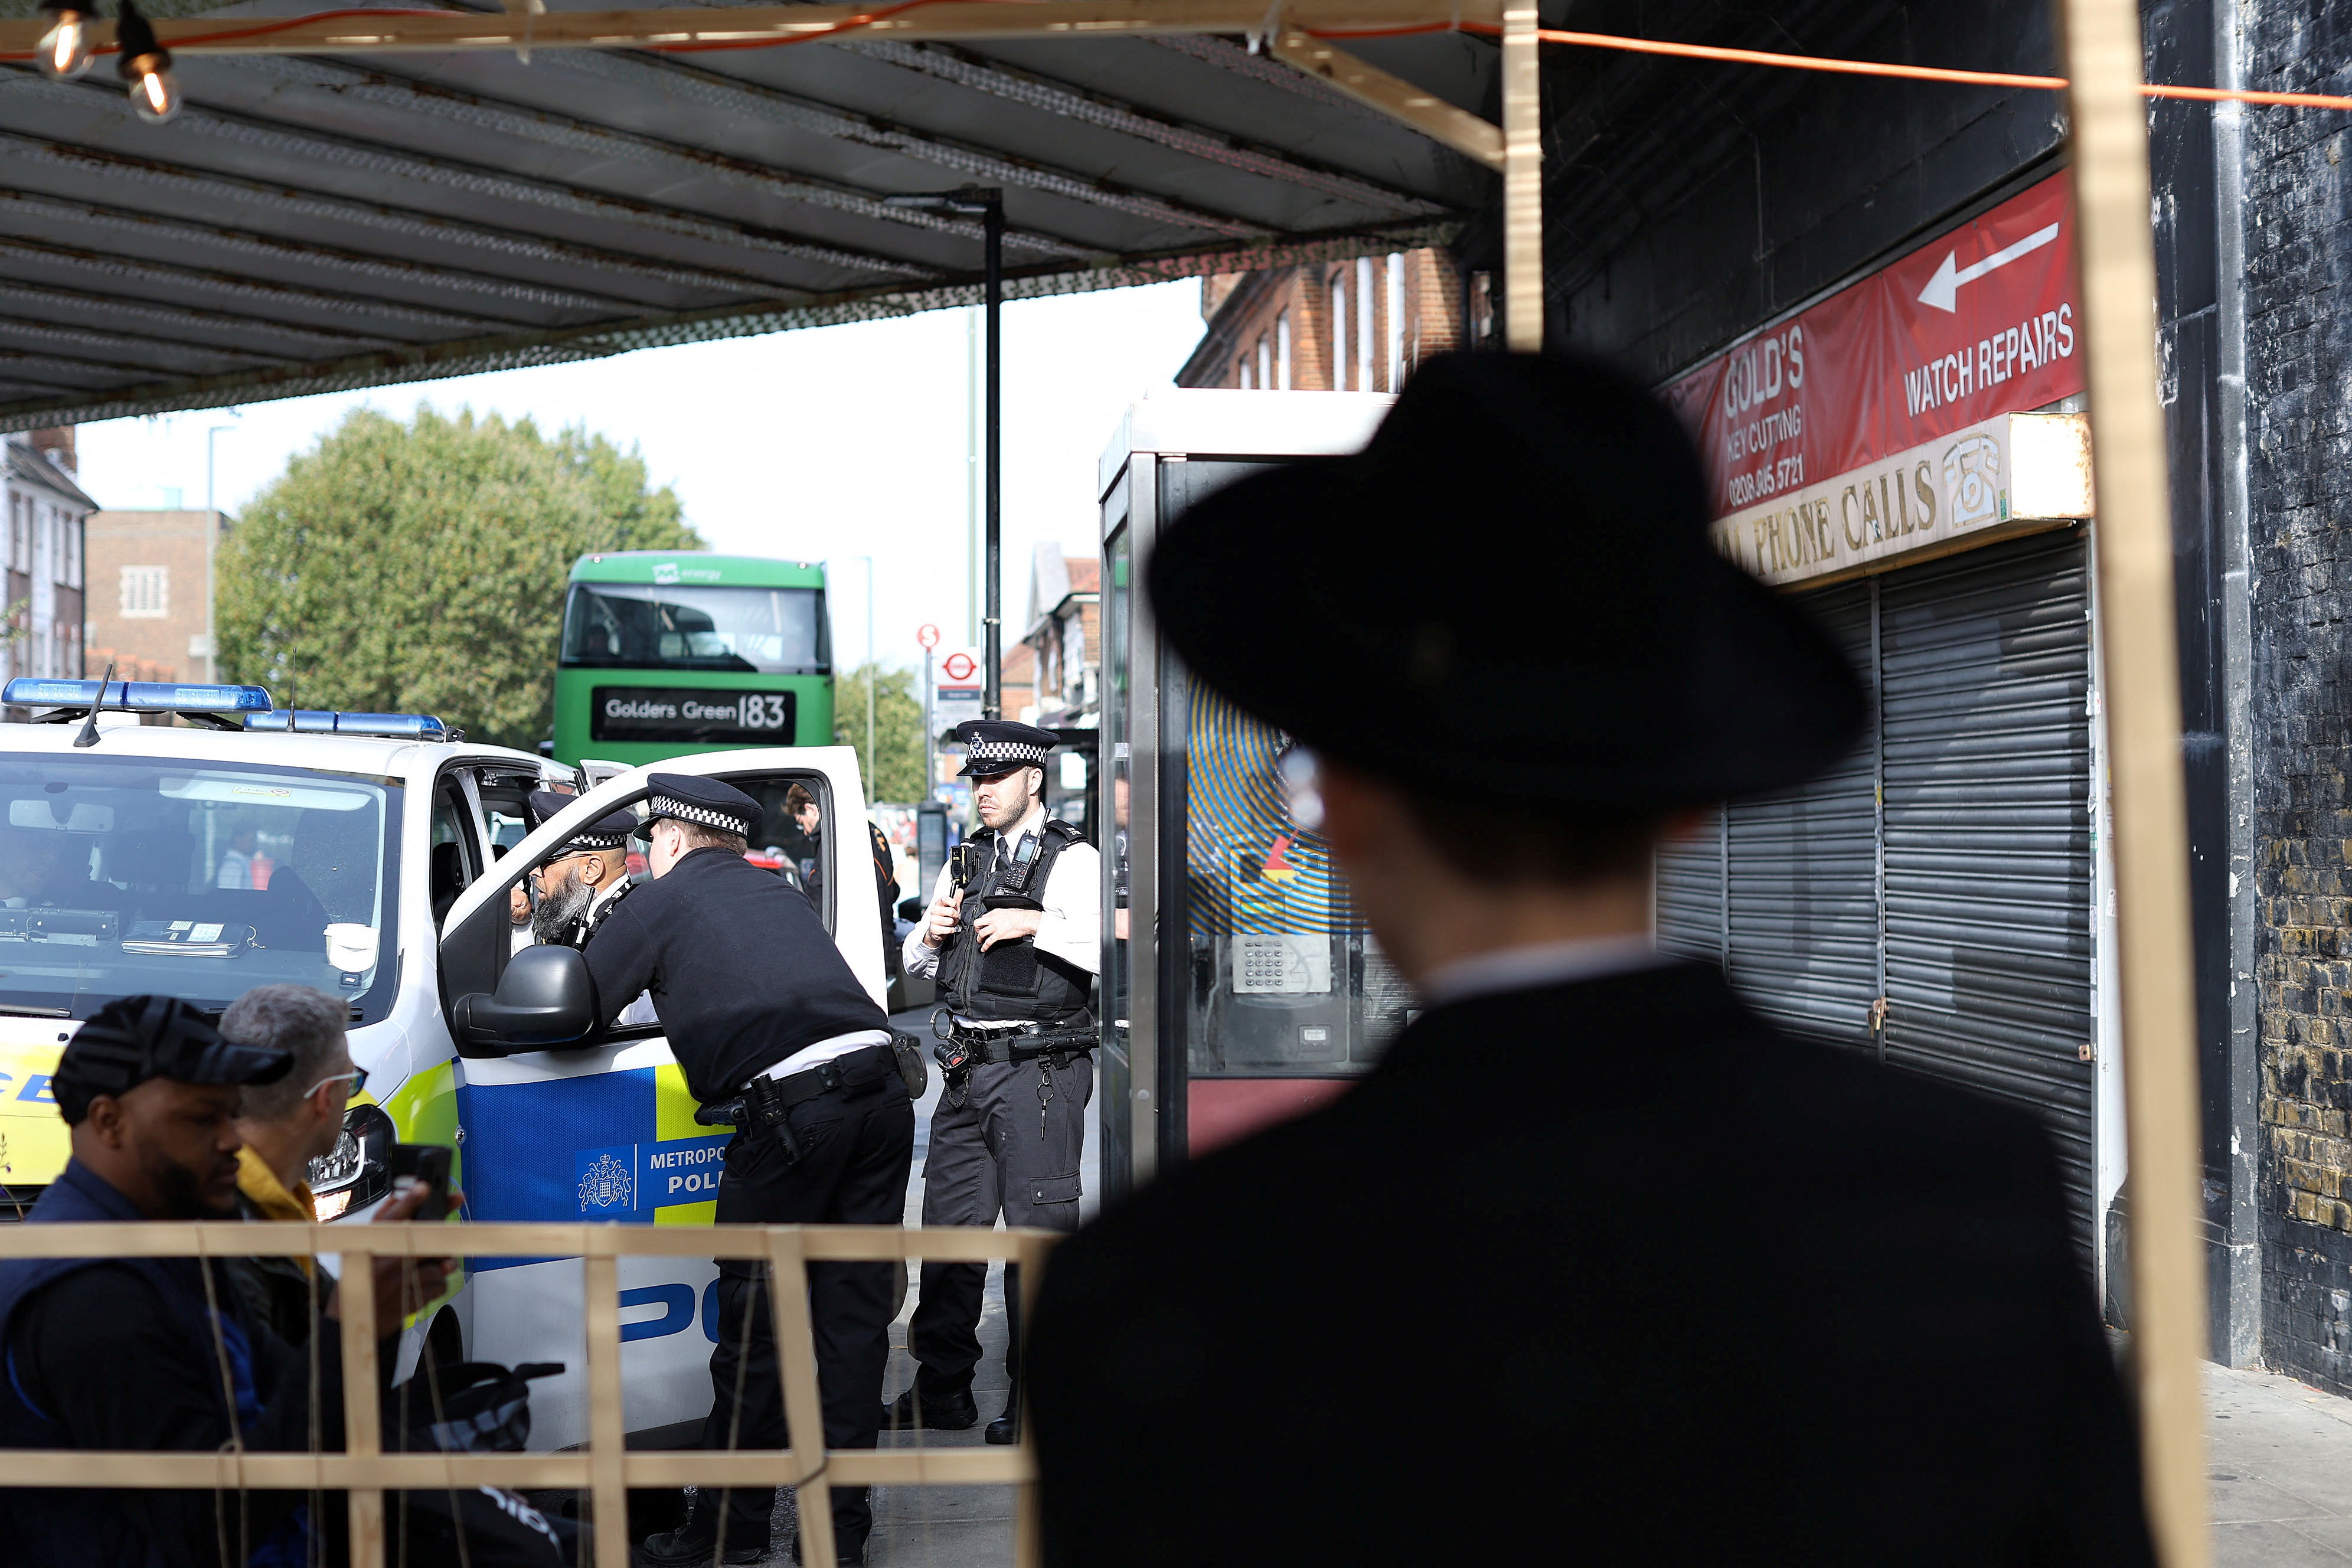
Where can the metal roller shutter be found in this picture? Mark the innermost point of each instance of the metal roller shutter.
(1690, 893)
(1803, 927)
(1985, 670)
(1946, 866)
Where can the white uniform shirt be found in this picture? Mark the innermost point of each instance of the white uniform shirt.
(1071, 927)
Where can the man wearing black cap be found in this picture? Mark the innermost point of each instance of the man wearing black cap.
(1013, 935)
(762, 1011)
(160, 1353)
(586, 879)
(1594, 1256)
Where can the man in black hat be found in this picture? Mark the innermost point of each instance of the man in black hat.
(1013, 935)
(161, 1352)
(767, 1020)
(1594, 1256)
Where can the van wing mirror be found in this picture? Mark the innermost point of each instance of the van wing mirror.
(546, 999)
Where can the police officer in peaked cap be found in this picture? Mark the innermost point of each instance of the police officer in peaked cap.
(1013, 935)
(580, 886)
(775, 1032)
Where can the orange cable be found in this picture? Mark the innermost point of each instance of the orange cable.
(1838, 67)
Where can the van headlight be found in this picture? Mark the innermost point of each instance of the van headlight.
(359, 1170)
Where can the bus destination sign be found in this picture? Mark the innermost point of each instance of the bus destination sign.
(697, 715)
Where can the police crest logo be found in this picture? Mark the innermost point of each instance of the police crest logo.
(607, 1183)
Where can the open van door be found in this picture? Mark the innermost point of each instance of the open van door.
(606, 1131)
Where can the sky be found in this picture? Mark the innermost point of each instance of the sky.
(824, 445)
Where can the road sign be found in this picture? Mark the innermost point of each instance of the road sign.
(960, 694)
(928, 635)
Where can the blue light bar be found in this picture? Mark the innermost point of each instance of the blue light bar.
(135, 696)
(317, 722)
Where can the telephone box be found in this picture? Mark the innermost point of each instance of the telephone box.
(1239, 988)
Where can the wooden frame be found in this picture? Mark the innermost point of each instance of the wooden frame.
(2132, 553)
(605, 1469)
(2132, 559)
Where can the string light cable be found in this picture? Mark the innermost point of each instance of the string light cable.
(69, 11)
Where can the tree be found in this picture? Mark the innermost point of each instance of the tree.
(420, 568)
(898, 732)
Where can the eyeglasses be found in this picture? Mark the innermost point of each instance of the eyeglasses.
(357, 1078)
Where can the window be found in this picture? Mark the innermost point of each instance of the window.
(194, 880)
(1242, 374)
(146, 591)
(1339, 333)
(1264, 361)
(69, 535)
(776, 631)
(1396, 320)
(1282, 351)
(1365, 312)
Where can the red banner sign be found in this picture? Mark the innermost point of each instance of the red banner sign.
(1981, 322)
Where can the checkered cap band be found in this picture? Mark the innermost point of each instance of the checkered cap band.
(1011, 754)
(668, 805)
(584, 841)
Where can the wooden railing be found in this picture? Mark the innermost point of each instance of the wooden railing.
(604, 1468)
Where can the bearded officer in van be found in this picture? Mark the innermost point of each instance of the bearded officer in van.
(1014, 936)
(773, 1031)
(586, 881)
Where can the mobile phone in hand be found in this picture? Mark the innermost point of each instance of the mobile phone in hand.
(428, 1163)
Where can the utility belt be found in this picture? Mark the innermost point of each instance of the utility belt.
(765, 1103)
(959, 1049)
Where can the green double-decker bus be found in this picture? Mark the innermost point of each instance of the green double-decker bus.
(666, 653)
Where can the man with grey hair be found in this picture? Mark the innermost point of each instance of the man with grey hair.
(286, 1125)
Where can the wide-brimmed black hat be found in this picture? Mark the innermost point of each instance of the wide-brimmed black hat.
(1509, 594)
(134, 1038)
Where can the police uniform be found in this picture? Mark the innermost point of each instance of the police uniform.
(765, 1017)
(1011, 1125)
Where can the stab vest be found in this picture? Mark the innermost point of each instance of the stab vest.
(1013, 980)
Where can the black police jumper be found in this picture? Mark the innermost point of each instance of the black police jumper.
(743, 974)
(741, 968)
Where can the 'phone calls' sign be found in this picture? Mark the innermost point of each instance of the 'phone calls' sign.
(1980, 323)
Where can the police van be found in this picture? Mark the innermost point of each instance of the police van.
(365, 855)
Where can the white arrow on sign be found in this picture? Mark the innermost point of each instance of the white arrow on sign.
(1942, 291)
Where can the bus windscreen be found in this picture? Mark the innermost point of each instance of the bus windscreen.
(774, 631)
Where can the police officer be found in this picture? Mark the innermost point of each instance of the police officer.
(1013, 935)
(775, 1032)
(586, 881)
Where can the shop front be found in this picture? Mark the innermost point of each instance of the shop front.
(1905, 456)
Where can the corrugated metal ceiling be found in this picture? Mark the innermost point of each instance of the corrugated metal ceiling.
(308, 224)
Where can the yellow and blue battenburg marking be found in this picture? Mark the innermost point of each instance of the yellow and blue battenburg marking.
(620, 1146)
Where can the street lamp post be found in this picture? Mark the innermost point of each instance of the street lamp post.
(987, 204)
(212, 432)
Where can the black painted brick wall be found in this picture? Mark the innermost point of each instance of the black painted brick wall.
(2299, 390)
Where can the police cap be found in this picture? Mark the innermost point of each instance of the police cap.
(993, 747)
(707, 803)
(134, 1038)
(609, 831)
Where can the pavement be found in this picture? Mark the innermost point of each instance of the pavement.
(2281, 1464)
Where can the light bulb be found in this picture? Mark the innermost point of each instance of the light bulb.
(155, 90)
(65, 48)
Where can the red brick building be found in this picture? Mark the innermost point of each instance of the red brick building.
(1336, 326)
